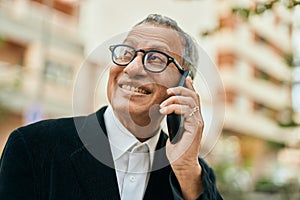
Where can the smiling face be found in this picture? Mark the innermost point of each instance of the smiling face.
(135, 94)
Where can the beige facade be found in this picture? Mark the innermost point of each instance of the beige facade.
(254, 56)
(43, 53)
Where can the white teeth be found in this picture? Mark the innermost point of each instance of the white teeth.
(133, 89)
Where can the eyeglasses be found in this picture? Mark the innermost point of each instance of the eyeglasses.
(153, 60)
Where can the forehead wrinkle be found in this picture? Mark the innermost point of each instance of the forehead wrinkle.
(147, 44)
(148, 31)
(130, 41)
(149, 36)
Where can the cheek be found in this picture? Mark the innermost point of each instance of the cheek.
(109, 90)
(161, 89)
(169, 78)
(162, 94)
(112, 81)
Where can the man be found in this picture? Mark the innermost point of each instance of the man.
(120, 152)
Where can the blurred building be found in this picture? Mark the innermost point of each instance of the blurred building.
(253, 48)
(40, 53)
(43, 44)
(43, 50)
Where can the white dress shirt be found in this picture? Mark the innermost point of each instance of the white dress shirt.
(129, 156)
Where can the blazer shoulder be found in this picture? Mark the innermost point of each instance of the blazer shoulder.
(47, 127)
(49, 133)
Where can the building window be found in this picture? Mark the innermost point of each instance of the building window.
(12, 52)
(58, 73)
(67, 7)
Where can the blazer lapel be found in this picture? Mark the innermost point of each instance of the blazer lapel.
(93, 162)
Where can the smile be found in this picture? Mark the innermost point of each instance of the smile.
(134, 89)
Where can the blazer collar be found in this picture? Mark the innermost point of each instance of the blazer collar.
(93, 161)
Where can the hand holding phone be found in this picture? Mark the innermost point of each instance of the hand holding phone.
(175, 121)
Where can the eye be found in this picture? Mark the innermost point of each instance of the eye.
(126, 53)
(156, 58)
(123, 54)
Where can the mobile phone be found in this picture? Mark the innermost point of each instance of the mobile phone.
(175, 121)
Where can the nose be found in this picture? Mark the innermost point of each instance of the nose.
(135, 67)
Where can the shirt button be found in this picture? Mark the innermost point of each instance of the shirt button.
(132, 179)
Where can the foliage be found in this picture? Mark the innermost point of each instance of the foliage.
(260, 7)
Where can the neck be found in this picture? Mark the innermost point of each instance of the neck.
(142, 127)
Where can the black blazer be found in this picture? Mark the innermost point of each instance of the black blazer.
(48, 160)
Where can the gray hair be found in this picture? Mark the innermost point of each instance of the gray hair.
(190, 54)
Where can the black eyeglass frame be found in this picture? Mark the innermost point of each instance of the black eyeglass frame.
(145, 52)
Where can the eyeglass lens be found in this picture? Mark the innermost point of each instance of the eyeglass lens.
(153, 60)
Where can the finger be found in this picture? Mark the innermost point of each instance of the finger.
(184, 100)
(182, 91)
(179, 90)
(189, 83)
(188, 113)
(175, 108)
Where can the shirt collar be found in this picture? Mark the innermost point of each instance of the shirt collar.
(121, 139)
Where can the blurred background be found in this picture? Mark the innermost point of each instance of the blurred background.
(254, 43)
